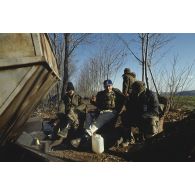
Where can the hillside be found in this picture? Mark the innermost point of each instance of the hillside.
(186, 93)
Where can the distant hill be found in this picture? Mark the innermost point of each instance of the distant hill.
(186, 93)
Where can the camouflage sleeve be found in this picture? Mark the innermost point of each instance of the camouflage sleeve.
(154, 104)
(125, 84)
(131, 81)
(121, 103)
(66, 105)
(98, 100)
(81, 105)
(120, 100)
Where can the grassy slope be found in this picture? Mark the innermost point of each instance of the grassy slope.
(185, 102)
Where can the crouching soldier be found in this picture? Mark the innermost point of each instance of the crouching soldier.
(74, 110)
(72, 118)
(109, 103)
(142, 111)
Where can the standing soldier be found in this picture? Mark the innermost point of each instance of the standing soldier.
(128, 80)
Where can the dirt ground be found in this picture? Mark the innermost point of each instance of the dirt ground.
(175, 143)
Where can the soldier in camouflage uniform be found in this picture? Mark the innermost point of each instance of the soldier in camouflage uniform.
(142, 111)
(74, 109)
(128, 80)
(109, 103)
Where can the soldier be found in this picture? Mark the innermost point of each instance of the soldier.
(128, 80)
(142, 111)
(74, 109)
(109, 103)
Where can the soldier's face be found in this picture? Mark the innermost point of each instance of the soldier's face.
(70, 92)
(138, 91)
(108, 88)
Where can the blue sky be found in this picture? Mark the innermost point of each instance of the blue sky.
(183, 46)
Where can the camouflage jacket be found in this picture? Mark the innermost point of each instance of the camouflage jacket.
(75, 103)
(110, 101)
(146, 104)
(128, 80)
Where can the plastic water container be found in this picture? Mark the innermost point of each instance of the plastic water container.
(97, 143)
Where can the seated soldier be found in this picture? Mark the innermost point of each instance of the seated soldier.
(74, 109)
(142, 111)
(71, 119)
(109, 103)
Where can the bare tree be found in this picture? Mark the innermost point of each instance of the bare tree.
(104, 65)
(87, 78)
(177, 80)
(173, 80)
(64, 46)
(148, 46)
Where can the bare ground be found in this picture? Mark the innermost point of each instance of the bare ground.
(175, 143)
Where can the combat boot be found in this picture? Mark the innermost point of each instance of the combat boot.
(82, 141)
(126, 143)
(64, 132)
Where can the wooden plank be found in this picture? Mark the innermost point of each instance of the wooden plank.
(37, 44)
(16, 45)
(30, 100)
(48, 54)
(25, 61)
(17, 90)
(27, 73)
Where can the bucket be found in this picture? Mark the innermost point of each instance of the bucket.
(97, 143)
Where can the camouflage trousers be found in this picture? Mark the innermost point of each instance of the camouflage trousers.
(73, 117)
(93, 122)
(148, 127)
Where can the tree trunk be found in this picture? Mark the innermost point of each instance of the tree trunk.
(66, 61)
(146, 60)
(143, 64)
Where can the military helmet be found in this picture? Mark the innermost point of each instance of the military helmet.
(70, 86)
(127, 70)
(138, 86)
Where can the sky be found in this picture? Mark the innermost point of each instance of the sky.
(182, 45)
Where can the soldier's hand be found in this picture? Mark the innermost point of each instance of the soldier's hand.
(93, 99)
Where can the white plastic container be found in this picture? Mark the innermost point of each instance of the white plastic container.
(97, 143)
